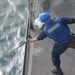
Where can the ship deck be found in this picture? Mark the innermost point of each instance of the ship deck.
(41, 62)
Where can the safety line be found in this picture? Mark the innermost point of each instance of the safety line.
(12, 50)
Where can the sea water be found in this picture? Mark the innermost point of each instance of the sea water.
(13, 26)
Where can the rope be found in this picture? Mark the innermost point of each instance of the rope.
(12, 50)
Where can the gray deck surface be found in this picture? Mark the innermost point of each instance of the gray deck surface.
(41, 62)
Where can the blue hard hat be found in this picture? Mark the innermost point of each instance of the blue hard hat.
(44, 17)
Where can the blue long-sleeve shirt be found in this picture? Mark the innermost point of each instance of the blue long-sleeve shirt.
(64, 20)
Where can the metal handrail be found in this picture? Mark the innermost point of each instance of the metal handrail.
(27, 46)
(25, 64)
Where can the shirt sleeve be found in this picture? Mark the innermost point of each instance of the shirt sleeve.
(68, 20)
(42, 35)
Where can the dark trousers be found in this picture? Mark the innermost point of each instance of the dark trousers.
(58, 49)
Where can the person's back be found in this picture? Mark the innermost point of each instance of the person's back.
(57, 30)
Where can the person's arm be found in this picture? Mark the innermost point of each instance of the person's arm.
(32, 39)
(68, 20)
(42, 36)
(38, 38)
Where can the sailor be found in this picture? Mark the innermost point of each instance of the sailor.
(58, 30)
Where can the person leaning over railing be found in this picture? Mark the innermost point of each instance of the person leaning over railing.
(58, 30)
